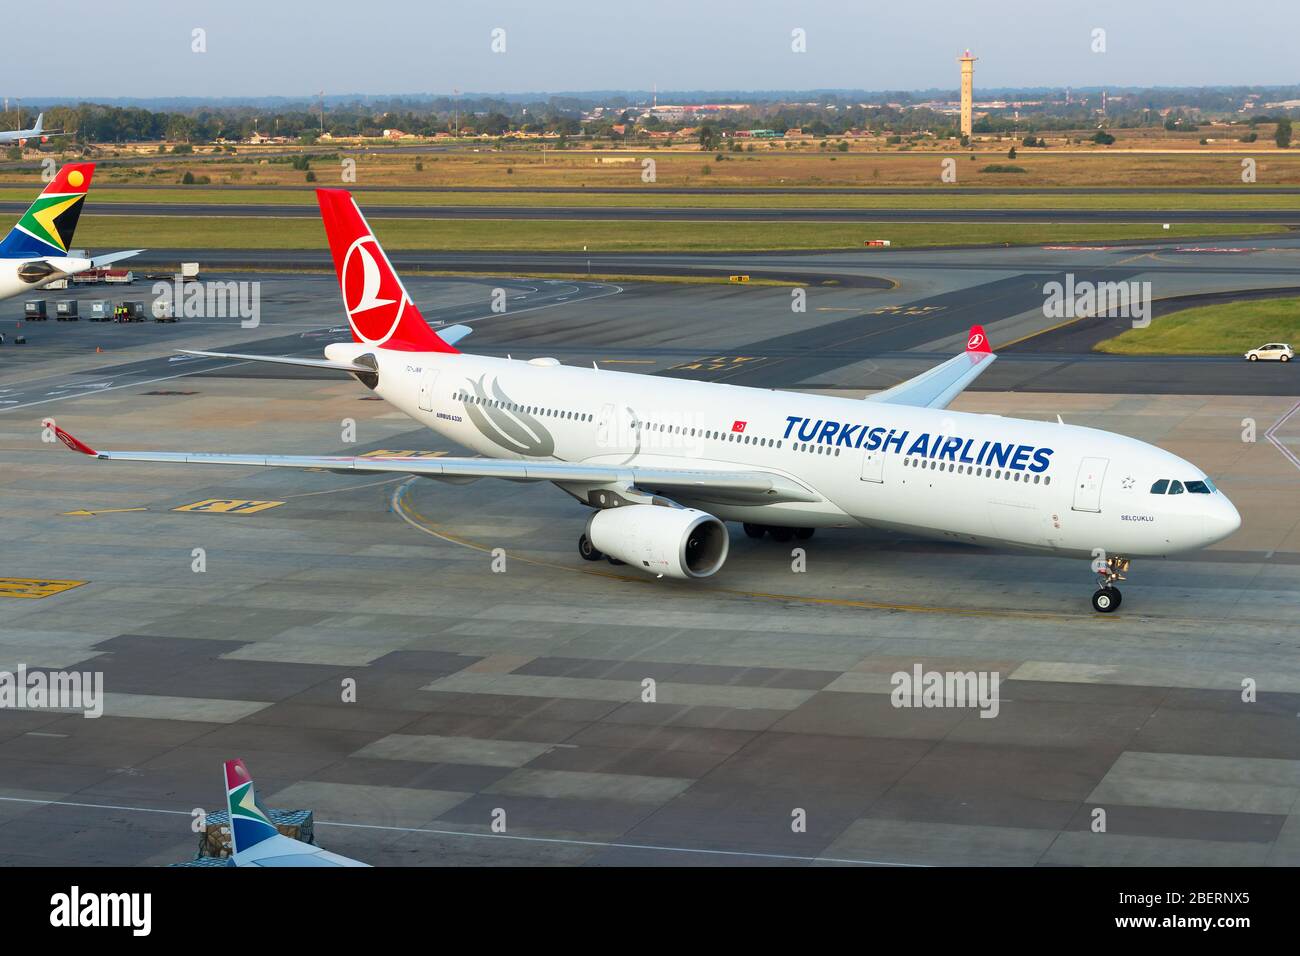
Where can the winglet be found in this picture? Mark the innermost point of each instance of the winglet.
(249, 823)
(75, 444)
(977, 341)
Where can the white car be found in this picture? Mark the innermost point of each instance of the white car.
(1274, 352)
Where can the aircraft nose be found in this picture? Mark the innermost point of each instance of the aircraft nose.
(1221, 520)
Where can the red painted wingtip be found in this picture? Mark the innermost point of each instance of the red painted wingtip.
(75, 444)
(977, 341)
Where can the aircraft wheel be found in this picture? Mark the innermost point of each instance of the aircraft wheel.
(781, 534)
(588, 550)
(803, 534)
(1105, 600)
(755, 530)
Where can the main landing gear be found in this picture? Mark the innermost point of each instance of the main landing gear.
(1107, 597)
(778, 533)
(589, 552)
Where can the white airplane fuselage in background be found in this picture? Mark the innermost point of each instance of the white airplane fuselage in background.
(21, 136)
(1094, 493)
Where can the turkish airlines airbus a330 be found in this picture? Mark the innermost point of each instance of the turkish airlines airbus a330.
(663, 462)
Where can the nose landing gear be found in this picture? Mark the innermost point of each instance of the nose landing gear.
(1107, 597)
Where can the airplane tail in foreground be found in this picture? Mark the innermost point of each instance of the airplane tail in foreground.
(46, 228)
(249, 822)
(379, 309)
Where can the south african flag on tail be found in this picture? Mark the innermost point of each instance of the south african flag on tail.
(46, 228)
(249, 822)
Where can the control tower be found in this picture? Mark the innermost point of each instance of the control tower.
(967, 91)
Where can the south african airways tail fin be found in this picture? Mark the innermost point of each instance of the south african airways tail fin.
(254, 839)
(46, 228)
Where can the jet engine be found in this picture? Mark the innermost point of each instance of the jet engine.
(37, 271)
(677, 542)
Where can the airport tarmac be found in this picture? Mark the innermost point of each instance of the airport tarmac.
(519, 695)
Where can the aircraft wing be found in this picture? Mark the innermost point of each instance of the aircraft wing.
(938, 386)
(732, 484)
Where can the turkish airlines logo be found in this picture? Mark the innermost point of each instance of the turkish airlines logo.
(372, 294)
(738, 426)
(975, 342)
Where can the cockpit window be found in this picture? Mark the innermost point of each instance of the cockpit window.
(1199, 487)
(1160, 487)
(1176, 488)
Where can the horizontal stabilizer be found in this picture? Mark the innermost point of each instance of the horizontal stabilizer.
(98, 262)
(283, 360)
(454, 333)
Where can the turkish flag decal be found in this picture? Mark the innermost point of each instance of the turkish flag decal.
(738, 426)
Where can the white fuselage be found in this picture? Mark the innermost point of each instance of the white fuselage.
(951, 475)
(12, 284)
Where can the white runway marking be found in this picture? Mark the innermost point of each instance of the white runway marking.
(600, 844)
(1277, 443)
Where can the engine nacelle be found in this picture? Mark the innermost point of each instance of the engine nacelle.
(678, 542)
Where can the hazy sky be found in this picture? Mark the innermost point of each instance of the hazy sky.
(86, 49)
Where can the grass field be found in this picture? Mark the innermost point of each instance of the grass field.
(769, 166)
(235, 232)
(1242, 199)
(1231, 328)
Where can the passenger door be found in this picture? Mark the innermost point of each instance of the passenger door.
(1087, 485)
(426, 389)
(873, 465)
